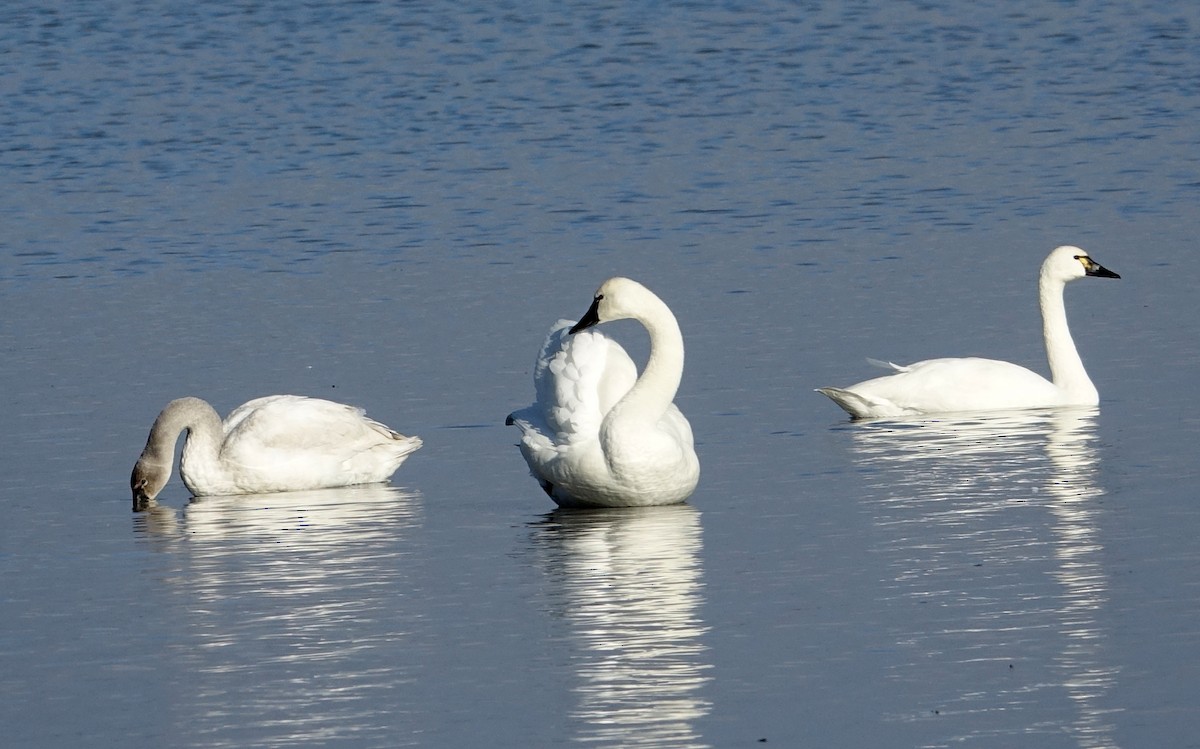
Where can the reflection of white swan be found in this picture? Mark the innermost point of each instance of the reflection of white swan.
(973, 384)
(598, 435)
(986, 456)
(279, 443)
(629, 584)
(989, 524)
(277, 589)
(1073, 502)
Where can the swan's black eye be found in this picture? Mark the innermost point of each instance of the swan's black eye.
(599, 297)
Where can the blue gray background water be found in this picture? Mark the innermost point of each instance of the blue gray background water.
(389, 204)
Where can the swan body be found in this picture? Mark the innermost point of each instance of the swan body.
(279, 443)
(974, 384)
(599, 435)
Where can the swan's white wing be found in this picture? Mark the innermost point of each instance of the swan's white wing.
(578, 378)
(947, 385)
(311, 442)
(239, 414)
(294, 422)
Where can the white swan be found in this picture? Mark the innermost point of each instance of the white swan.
(598, 435)
(972, 384)
(279, 443)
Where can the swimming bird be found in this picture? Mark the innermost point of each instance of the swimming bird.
(974, 384)
(279, 443)
(598, 435)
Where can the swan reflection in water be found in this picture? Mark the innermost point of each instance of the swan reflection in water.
(289, 604)
(990, 522)
(628, 582)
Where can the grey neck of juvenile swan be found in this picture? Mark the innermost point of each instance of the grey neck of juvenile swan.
(655, 390)
(202, 423)
(1066, 368)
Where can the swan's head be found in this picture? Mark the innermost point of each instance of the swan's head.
(616, 299)
(1067, 263)
(147, 481)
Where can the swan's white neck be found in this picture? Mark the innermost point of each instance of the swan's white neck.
(203, 443)
(1066, 368)
(655, 390)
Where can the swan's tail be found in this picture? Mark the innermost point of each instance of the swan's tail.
(399, 450)
(398, 443)
(852, 403)
(407, 445)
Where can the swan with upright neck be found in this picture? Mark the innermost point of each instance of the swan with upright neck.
(974, 384)
(279, 443)
(599, 435)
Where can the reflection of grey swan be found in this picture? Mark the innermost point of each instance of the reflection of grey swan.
(629, 584)
(973, 384)
(302, 590)
(599, 435)
(275, 444)
(313, 520)
(309, 520)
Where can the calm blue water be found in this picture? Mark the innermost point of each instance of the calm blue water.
(389, 204)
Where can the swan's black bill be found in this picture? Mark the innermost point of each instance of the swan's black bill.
(1092, 268)
(590, 318)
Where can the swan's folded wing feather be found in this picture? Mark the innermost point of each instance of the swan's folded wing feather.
(269, 403)
(893, 366)
(577, 379)
(297, 424)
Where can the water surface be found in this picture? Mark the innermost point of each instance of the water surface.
(389, 205)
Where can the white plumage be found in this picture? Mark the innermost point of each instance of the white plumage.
(598, 435)
(974, 384)
(274, 444)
